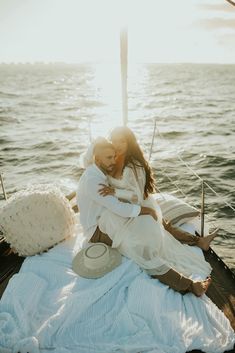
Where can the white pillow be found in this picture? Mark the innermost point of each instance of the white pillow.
(174, 209)
(35, 219)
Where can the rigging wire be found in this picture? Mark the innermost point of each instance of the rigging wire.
(190, 168)
(195, 174)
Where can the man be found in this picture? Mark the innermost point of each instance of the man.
(92, 204)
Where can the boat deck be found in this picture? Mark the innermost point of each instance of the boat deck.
(10, 264)
(221, 291)
(222, 288)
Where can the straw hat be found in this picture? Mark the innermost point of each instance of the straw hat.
(96, 260)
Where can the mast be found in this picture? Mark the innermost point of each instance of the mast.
(202, 209)
(124, 63)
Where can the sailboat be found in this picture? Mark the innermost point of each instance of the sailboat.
(222, 289)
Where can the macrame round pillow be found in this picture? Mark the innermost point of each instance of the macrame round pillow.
(35, 219)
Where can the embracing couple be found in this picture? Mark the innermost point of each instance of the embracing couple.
(117, 207)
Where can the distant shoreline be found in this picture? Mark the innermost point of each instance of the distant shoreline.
(57, 63)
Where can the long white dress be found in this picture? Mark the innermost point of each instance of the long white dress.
(145, 240)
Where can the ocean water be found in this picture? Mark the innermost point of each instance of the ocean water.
(49, 113)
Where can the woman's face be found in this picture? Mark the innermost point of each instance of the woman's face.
(120, 144)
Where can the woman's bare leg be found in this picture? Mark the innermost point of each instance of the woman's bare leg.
(204, 242)
(187, 238)
(183, 284)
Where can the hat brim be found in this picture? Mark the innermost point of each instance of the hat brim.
(79, 267)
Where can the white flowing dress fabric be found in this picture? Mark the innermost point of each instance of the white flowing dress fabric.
(47, 308)
(145, 240)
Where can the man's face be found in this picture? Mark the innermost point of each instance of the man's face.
(106, 161)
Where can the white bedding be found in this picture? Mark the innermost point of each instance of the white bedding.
(46, 307)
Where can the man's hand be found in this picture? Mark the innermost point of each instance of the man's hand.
(148, 211)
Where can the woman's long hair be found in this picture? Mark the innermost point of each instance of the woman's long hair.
(135, 157)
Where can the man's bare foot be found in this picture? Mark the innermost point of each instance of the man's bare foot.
(200, 288)
(204, 242)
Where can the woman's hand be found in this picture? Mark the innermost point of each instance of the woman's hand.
(106, 190)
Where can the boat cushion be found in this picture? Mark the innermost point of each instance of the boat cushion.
(36, 219)
(175, 210)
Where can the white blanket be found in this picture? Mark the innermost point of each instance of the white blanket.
(48, 308)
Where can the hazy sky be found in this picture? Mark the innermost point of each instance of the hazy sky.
(88, 30)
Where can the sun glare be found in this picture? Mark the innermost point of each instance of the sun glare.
(106, 83)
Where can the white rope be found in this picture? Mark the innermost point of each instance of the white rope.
(205, 183)
(190, 168)
(3, 188)
(176, 185)
(89, 129)
(186, 197)
(153, 136)
(173, 182)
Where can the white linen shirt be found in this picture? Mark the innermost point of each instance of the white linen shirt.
(91, 203)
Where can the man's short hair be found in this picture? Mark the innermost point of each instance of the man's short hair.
(101, 146)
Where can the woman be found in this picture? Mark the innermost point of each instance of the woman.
(144, 239)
